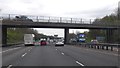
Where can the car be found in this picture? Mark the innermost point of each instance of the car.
(43, 42)
(94, 41)
(36, 43)
(22, 18)
(59, 44)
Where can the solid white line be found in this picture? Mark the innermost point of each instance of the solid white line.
(62, 53)
(79, 63)
(24, 54)
(9, 66)
(10, 49)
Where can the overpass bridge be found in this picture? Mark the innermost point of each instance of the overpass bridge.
(54, 22)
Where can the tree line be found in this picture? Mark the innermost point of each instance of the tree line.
(108, 19)
(16, 35)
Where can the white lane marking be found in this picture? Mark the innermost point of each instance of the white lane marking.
(10, 49)
(79, 63)
(62, 53)
(9, 66)
(24, 54)
(55, 49)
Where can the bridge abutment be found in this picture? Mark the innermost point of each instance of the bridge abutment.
(4, 36)
(109, 35)
(66, 35)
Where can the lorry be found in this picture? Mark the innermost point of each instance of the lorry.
(28, 39)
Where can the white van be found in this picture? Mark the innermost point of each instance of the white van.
(28, 39)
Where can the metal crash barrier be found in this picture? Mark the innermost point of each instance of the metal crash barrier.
(102, 46)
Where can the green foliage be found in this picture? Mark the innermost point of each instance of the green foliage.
(16, 35)
(111, 19)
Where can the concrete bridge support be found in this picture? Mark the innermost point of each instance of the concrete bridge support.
(66, 35)
(109, 35)
(0, 35)
(4, 36)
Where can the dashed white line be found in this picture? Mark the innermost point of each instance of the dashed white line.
(9, 66)
(24, 54)
(10, 49)
(62, 53)
(79, 63)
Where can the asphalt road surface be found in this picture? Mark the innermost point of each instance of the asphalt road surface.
(57, 56)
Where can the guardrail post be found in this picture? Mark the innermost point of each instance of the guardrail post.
(98, 47)
(103, 47)
(106, 47)
(111, 48)
(91, 46)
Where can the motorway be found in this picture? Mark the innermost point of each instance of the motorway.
(57, 56)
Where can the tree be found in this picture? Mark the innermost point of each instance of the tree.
(17, 34)
(108, 19)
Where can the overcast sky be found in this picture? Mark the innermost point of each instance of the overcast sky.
(87, 9)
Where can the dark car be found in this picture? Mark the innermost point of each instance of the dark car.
(43, 42)
(22, 18)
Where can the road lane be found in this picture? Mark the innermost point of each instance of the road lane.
(13, 56)
(57, 56)
(13, 46)
(46, 56)
(89, 58)
(10, 49)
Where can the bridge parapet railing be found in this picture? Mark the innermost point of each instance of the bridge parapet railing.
(49, 19)
(52, 19)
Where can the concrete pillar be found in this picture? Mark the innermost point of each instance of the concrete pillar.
(0, 35)
(1, 42)
(4, 36)
(109, 35)
(66, 34)
(0, 45)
